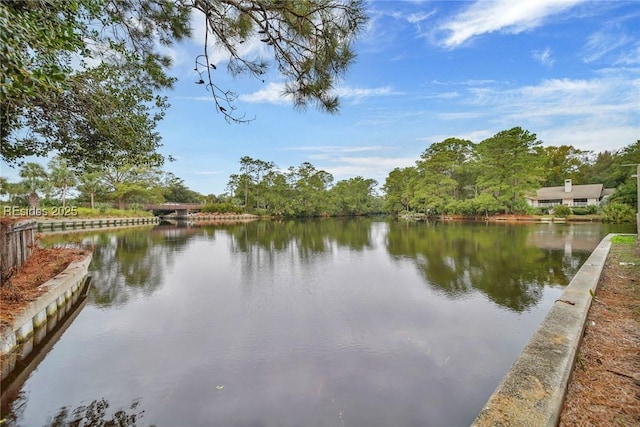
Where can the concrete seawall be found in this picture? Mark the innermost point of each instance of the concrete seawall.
(80, 223)
(33, 321)
(533, 390)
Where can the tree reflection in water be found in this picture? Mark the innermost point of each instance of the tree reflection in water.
(498, 260)
(129, 261)
(95, 414)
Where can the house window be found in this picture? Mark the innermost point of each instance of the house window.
(579, 202)
(549, 202)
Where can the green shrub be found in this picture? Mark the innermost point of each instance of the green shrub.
(562, 211)
(105, 211)
(221, 208)
(618, 212)
(580, 211)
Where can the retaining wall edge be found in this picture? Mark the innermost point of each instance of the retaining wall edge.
(533, 390)
(58, 288)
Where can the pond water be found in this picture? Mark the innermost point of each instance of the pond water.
(301, 323)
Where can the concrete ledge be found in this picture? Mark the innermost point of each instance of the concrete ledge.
(58, 292)
(82, 223)
(532, 392)
(18, 366)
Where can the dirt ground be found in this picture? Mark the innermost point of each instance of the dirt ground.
(22, 286)
(605, 388)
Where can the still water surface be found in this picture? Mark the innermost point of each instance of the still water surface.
(302, 323)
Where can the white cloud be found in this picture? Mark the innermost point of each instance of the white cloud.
(603, 43)
(344, 162)
(463, 115)
(508, 16)
(358, 94)
(337, 148)
(196, 98)
(630, 57)
(443, 95)
(473, 136)
(208, 172)
(590, 135)
(543, 56)
(418, 17)
(575, 98)
(598, 113)
(385, 116)
(369, 167)
(273, 93)
(601, 113)
(251, 48)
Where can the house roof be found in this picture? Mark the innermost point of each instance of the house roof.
(588, 191)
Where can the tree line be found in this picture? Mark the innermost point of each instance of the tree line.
(457, 176)
(118, 186)
(451, 177)
(302, 191)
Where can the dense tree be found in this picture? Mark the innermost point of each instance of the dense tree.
(442, 173)
(597, 169)
(563, 162)
(302, 191)
(61, 177)
(626, 193)
(34, 181)
(278, 194)
(175, 190)
(34, 175)
(354, 196)
(133, 184)
(608, 168)
(17, 193)
(625, 173)
(309, 43)
(90, 184)
(238, 187)
(102, 116)
(4, 184)
(511, 166)
(399, 189)
(254, 171)
(446, 164)
(310, 185)
(38, 77)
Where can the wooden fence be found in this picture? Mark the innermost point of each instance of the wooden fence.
(17, 240)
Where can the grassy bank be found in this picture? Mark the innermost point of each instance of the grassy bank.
(71, 212)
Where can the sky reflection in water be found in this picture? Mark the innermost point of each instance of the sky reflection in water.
(314, 323)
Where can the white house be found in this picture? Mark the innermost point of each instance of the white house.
(570, 195)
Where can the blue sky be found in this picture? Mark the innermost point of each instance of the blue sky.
(568, 71)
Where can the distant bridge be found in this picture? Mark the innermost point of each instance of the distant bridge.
(180, 209)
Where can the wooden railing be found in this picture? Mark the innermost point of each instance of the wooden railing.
(17, 240)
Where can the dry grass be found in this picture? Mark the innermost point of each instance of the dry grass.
(22, 286)
(602, 391)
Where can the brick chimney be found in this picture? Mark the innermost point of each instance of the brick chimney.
(567, 186)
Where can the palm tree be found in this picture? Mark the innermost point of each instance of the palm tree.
(90, 182)
(34, 179)
(61, 177)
